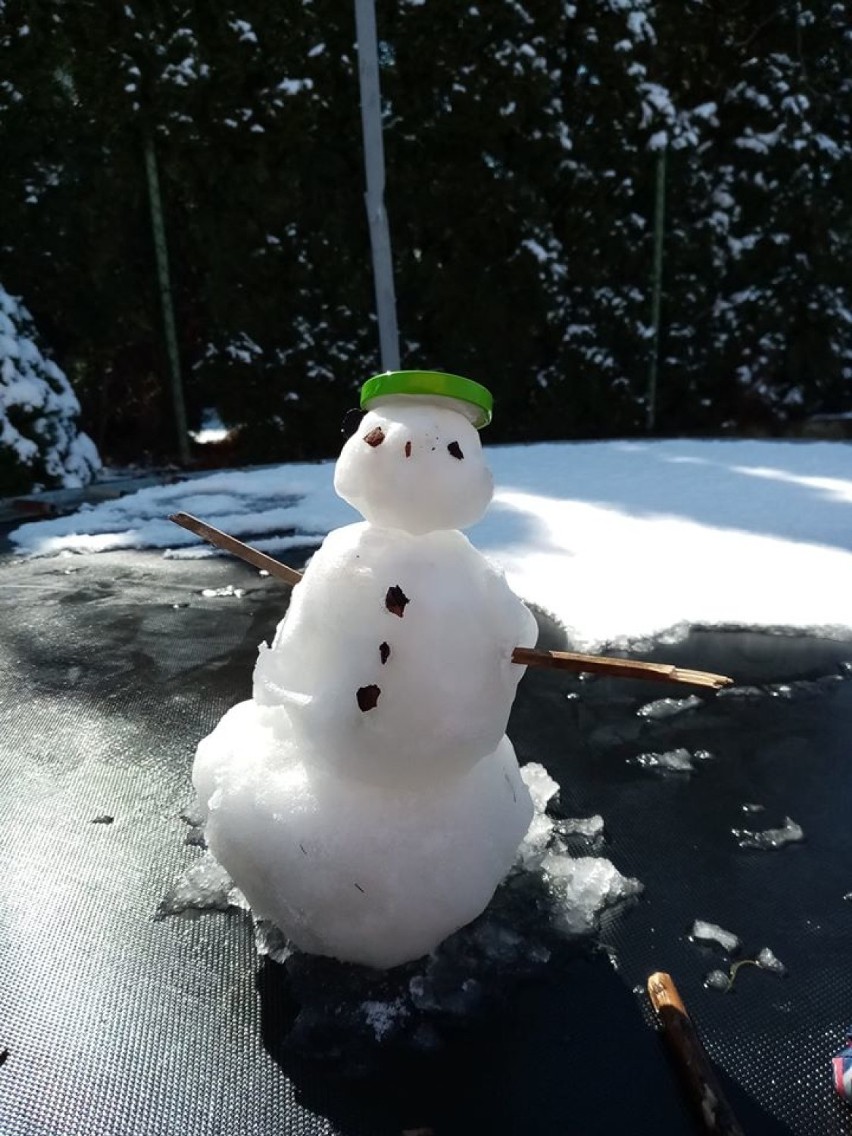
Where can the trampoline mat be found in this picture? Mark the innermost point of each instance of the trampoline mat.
(114, 1022)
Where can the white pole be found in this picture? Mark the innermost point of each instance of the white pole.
(374, 163)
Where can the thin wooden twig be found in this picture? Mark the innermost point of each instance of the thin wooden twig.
(617, 668)
(524, 656)
(231, 544)
(691, 1058)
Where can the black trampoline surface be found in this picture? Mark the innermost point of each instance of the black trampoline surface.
(114, 1022)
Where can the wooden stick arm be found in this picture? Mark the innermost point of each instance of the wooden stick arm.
(524, 656)
(617, 668)
(231, 544)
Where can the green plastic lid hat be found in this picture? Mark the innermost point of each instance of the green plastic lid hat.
(477, 401)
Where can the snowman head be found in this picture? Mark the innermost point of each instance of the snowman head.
(415, 462)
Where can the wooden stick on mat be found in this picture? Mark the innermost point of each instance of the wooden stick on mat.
(524, 656)
(691, 1058)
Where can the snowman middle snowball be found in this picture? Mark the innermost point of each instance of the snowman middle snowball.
(366, 800)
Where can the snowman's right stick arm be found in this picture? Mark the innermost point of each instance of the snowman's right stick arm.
(524, 656)
(231, 544)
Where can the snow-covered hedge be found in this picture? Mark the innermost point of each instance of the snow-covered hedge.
(41, 445)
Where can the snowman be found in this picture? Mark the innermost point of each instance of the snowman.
(366, 800)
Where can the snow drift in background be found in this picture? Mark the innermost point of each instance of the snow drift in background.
(618, 540)
(41, 445)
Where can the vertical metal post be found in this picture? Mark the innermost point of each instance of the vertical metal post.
(374, 164)
(656, 288)
(162, 255)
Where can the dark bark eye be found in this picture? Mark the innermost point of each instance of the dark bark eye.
(375, 437)
(351, 422)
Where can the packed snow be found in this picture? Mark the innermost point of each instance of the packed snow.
(366, 799)
(652, 535)
(578, 889)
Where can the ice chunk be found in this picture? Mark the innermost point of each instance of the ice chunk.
(590, 827)
(712, 933)
(579, 888)
(270, 942)
(803, 689)
(205, 886)
(766, 960)
(538, 837)
(673, 761)
(789, 833)
(583, 888)
(668, 707)
(542, 789)
(744, 693)
(228, 590)
(541, 785)
(717, 980)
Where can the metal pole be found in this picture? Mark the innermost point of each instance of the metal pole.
(656, 288)
(374, 164)
(162, 255)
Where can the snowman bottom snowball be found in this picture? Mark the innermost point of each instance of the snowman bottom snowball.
(364, 874)
(366, 799)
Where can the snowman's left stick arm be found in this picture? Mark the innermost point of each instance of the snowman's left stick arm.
(523, 656)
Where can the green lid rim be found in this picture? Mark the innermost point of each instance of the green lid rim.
(431, 382)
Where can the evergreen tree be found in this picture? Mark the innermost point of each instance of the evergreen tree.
(522, 145)
(41, 445)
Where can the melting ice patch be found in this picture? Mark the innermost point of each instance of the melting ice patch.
(672, 761)
(668, 707)
(788, 833)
